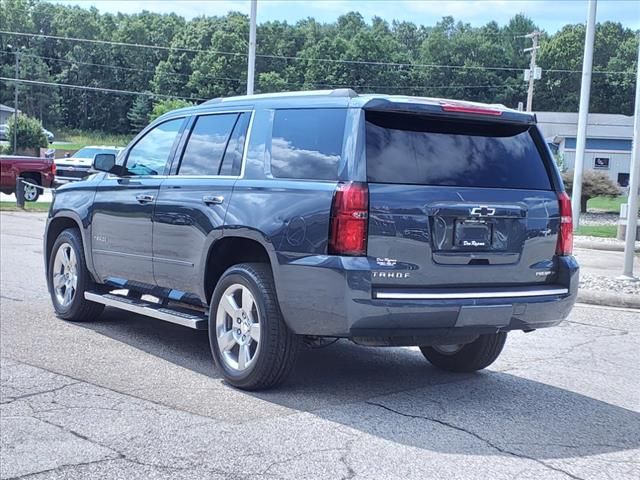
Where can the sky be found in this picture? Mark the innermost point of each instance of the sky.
(550, 15)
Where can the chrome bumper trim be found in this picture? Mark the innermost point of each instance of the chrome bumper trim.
(468, 295)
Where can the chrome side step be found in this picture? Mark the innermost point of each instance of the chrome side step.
(182, 317)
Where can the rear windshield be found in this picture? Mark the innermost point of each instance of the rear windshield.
(419, 150)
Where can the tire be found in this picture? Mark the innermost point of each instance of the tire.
(471, 357)
(245, 362)
(67, 250)
(31, 194)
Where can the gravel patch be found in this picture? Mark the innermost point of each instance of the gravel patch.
(603, 240)
(602, 283)
(599, 219)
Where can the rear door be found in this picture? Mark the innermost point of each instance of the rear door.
(459, 202)
(193, 201)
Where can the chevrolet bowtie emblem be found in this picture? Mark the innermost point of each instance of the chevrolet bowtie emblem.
(483, 211)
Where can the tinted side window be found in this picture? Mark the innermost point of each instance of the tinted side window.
(307, 143)
(411, 149)
(232, 163)
(149, 156)
(206, 144)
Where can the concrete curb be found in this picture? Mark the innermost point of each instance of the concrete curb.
(596, 297)
(612, 247)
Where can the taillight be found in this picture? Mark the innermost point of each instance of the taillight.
(565, 234)
(349, 220)
(53, 168)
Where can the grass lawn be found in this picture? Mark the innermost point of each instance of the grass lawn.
(608, 231)
(78, 139)
(29, 207)
(607, 204)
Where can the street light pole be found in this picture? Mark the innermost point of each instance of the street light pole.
(252, 47)
(634, 184)
(585, 92)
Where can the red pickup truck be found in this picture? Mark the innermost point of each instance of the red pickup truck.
(40, 171)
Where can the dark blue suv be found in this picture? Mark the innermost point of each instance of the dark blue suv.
(274, 220)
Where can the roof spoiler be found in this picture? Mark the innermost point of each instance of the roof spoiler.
(451, 108)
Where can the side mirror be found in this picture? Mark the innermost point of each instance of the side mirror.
(104, 162)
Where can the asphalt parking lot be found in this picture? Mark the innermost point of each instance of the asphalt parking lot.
(130, 397)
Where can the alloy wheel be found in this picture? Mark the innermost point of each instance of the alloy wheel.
(448, 349)
(238, 327)
(65, 275)
(30, 193)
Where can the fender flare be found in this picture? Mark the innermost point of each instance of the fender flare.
(85, 234)
(244, 233)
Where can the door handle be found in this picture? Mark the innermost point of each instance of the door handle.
(145, 198)
(213, 199)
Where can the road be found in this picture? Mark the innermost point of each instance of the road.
(130, 397)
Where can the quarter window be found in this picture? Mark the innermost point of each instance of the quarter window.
(207, 143)
(307, 143)
(149, 156)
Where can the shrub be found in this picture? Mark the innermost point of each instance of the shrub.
(594, 184)
(30, 135)
(164, 106)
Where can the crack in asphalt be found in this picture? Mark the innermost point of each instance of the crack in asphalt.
(59, 468)
(565, 351)
(43, 392)
(624, 332)
(5, 297)
(476, 436)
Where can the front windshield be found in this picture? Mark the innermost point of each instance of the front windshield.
(89, 152)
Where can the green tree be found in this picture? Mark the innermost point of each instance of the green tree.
(139, 113)
(594, 184)
(165, 106)
(28, 133)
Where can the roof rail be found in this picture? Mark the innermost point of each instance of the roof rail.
(338, 92)
(344, 92)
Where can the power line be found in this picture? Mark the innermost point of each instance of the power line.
(117, 67)
(325, 85)
(97, 89)
(297, 58)
(123, 44)
(130, 92)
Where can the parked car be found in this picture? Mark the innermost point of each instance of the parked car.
(4, 133)
(50, 136)
(78, 166)
(36, 171)
(265, 219)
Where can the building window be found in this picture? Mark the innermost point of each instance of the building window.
(623, 179)
(601, 163)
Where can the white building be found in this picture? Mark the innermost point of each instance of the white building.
(5, 113)
(609, 141)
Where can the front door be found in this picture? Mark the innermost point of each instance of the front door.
(122, 229)
(192, 203)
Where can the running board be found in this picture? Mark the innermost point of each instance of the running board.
(182, 317)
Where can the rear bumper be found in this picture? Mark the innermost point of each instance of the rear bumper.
(333, 296)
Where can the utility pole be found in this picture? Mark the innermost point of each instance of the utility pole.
(533, 72)
(252, 47)
(583, 113)
(15, 101)
(634, 184)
